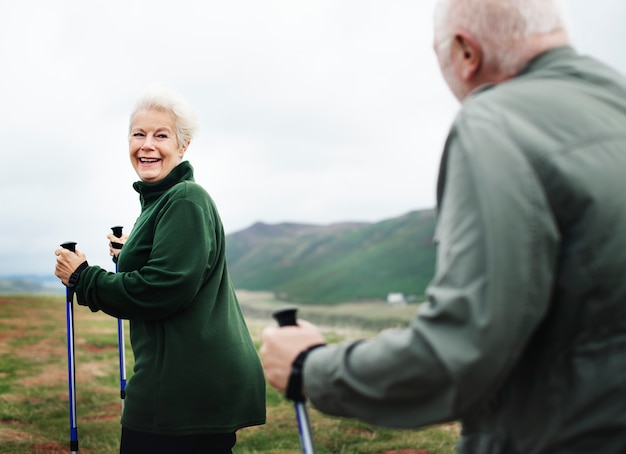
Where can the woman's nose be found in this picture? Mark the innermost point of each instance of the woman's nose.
(147, 143)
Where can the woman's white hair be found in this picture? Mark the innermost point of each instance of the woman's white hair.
(164, 99)
(500, 25)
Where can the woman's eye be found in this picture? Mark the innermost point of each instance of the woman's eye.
(162, 136)
(138, 134)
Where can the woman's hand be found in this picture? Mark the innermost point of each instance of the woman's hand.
(114, 252)
(67, 263)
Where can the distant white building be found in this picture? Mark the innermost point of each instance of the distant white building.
(396, 299)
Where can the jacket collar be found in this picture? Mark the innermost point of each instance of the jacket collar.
(547, 58)
(150, 192)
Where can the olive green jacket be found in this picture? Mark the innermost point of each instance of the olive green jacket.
(196, 368)
(523, 337)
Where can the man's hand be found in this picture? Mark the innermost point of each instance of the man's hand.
(281, 346)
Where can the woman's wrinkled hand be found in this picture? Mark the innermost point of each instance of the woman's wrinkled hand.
(67, 263)
(114, 252)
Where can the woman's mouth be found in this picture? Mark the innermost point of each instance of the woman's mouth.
(148, 160)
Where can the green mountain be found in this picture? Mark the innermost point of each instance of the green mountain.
(329, 264)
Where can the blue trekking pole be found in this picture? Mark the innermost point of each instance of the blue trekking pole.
(71, 364)
(121, 346)
(287, 317)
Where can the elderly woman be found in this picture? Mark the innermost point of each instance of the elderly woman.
(197, 376)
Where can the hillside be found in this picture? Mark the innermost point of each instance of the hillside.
(335, 263)
(322, 264)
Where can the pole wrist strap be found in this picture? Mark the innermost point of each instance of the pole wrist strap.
(76, 274)
(294, 385)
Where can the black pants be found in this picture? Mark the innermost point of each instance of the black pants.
(134, 442)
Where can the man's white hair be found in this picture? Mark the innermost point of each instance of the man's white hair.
(162, 98)
(501, 25)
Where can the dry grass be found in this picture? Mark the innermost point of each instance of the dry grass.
(34, 397)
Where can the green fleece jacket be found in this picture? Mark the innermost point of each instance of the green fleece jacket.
(196, 368)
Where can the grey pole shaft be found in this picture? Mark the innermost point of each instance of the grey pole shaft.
(304, 427)
(287, 317)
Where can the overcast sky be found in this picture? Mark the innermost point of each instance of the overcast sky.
(314, 111)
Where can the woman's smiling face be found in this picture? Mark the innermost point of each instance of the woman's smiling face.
(153, 145)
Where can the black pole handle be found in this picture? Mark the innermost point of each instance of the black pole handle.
(69, 245)
(286, 316)
(117, 231)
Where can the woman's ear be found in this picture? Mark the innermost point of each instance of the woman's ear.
(183, 149)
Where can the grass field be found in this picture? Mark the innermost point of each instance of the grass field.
(34, 397)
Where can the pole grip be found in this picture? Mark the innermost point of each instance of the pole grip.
(286, 316)
(117, 231)
(69, 245)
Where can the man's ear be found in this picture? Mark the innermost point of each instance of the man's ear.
(471, 55)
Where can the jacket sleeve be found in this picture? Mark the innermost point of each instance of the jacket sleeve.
(183, 247)
(495, 259)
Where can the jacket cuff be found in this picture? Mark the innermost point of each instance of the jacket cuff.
(294, 385)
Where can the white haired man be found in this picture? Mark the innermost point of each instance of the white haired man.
(523, 337)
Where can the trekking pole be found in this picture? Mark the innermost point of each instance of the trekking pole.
(71, 365)
(121, 346)
(287, 317)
